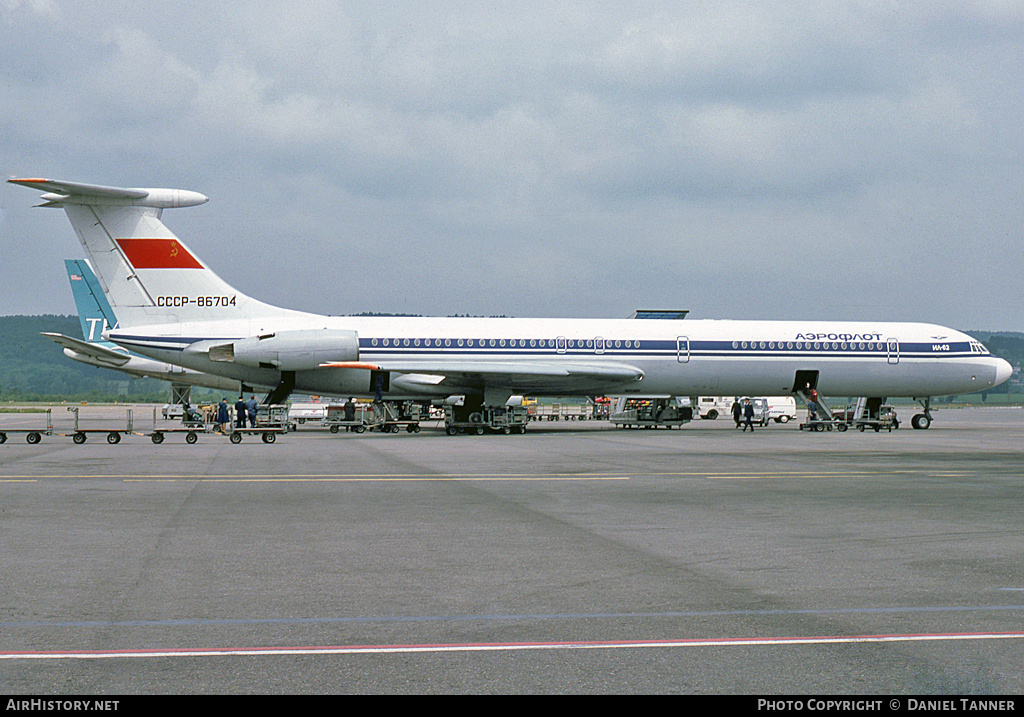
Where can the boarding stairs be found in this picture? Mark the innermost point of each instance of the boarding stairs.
(823, 411)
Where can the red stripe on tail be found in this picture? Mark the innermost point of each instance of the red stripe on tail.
(158, 254)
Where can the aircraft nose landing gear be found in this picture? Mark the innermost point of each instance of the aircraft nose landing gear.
(922, 421)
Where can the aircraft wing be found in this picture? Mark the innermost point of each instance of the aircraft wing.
(519, 377)
(105, 356)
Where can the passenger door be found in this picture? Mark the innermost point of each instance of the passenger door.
(682, 349)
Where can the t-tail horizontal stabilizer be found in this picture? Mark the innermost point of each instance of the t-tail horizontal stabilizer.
(58, 194)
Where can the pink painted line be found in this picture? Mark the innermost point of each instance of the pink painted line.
(506, 646)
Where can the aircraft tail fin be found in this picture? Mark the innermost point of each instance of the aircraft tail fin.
(148, 275)
(94, 310)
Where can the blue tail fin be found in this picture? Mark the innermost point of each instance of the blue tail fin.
(94, 310)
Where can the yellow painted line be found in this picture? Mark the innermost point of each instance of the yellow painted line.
(373, 478)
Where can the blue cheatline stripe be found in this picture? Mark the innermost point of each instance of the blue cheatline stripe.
(647, 348)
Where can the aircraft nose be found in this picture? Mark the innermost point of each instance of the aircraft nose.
(1003, 371)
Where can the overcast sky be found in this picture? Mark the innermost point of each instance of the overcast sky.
(792, 160)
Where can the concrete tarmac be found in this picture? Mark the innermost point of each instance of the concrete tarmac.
(578, 558)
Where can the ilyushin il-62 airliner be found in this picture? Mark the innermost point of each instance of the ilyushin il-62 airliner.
(172, 307)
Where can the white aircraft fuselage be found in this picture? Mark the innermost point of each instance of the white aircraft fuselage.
(677, 358)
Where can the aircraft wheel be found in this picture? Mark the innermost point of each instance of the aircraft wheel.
(190, 437)
(921, 422)
(158, 438)
(79, 438)
(33, 437)
(269, 438)
(113, 438)
(236, 438)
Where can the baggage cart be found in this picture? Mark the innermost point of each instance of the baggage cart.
(500, 419)
(651, 413)
(819, 425)
(275, 422)
(80, 434)
(388, 417)
(886, 420)
(32, 435)
(335, 419)
(575, 412)
(193, 424)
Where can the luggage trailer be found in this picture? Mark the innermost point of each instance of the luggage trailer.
(384, 416)
(32, 435)
(78, 434)
(501, 419)
(275, 422)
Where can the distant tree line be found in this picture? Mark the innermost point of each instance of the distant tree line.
(33, 368)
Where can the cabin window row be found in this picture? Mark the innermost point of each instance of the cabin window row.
(511, 343)
(817, 345)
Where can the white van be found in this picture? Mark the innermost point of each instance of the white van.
(781, 409)
(711, 407)
(302, 412)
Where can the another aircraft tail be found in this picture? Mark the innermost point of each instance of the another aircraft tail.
(94, 310)
(148, 275)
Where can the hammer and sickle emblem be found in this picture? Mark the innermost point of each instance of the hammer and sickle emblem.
(174, 248)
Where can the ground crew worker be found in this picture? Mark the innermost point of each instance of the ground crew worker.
(748, 415)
